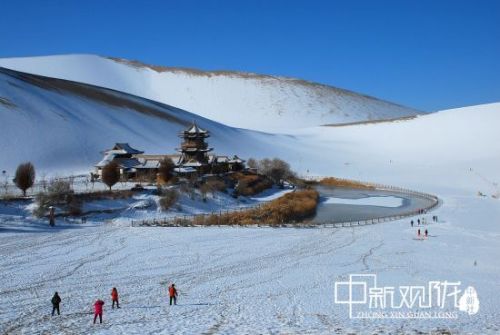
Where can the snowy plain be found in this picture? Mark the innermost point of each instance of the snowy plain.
(248, 280)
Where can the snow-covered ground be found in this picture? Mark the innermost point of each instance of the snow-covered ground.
(237, 99)
(242, 280)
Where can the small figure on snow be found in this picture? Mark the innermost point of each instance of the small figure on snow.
(114, 298)
(52, 216)
(172, 292)
(98, 310)
(426, 233)
(56, 300)
(418, 233)
(418, 222)
(411, 223)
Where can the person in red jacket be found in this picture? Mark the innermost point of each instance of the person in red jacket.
(114, 298)
(98, 310)
(172, 292)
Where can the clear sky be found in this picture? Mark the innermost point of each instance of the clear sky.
(429, 55)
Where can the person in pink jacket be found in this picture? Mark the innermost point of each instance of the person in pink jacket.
(98, 310)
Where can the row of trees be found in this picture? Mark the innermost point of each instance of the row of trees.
(25, 175)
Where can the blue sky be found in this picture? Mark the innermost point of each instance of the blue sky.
(429, 55)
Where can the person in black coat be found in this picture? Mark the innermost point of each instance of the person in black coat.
(56, 300)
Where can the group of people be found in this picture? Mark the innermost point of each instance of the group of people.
(423, 222)
(98, 305)
(426, 233)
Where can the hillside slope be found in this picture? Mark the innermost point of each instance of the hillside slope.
(62, 126)
(454, 149)
(237, 99)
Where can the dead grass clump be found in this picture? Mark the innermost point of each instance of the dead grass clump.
(332, 181)
(168, 199)
(292, 207)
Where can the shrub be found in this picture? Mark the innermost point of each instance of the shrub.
(250, 183)
(166, 169)
(25, 176)
(59, 193)
(168, 199)
(110, 174)
(216, 185)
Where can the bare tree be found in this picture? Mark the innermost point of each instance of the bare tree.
(252, 163)
(166, 169)
(25, 176)
(276, 169)
(110, 174)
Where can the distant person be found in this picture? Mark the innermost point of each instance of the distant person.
(418, 233)
(52, 216)
(426, 232)
(98, 310)
(418, 222)
(114, 298)
(411, 223)
(56, 300)
(172, 292)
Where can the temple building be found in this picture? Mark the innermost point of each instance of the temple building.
(194, 150)
(193, 158)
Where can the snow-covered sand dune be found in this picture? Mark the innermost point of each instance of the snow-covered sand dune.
(63, 126)
(237, 99)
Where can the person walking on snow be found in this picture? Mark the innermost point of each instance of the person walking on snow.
(418, 233)
(172, 292)
(114, 298)
(98, 310)
(411, 223)
(425, 233)
(56, 300)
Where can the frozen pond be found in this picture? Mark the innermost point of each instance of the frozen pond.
(347, 204)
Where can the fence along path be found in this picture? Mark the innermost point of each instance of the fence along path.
(187, 220)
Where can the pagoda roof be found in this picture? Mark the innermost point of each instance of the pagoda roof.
(194, 131)
(123, 148)
(236, 159)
